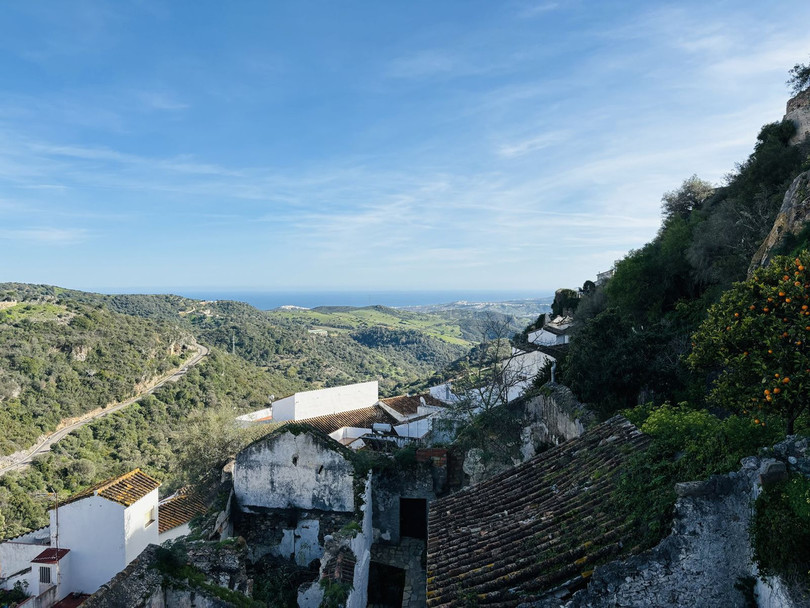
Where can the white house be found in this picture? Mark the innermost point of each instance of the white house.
(92, 536)
(553, 333)
(106, 527)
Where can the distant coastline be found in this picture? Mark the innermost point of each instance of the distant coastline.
(268, 300)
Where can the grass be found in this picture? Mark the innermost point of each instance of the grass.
(360, 318)
(34, 312)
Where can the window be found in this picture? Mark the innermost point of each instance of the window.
(44, 575)
(150, 517)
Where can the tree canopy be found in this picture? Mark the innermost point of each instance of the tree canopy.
(755, 338)
(799, 78)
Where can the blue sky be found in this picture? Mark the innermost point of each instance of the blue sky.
(511, 144)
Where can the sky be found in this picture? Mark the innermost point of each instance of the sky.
(301, 145)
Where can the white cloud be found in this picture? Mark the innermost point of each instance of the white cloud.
(45, 235)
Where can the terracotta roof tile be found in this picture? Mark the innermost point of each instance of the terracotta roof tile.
(362, 418)
(126, 489)
(50, 555)
(534, 528)
(177, 510)
(407, 405)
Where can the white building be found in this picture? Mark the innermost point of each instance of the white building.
(553, 333)
(92, 536)
(335, 400)
(106, 527)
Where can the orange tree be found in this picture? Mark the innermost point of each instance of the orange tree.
(755, 341)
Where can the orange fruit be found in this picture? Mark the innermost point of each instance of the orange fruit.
(777, 390)
(785, 380)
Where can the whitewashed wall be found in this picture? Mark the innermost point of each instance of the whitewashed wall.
(361, 547)
(15, 557)
(138, 534)
(93, 529)
(286, 470)
(325, 401)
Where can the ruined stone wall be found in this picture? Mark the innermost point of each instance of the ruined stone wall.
(553, 417)
(141, 585)
(289, 470)
(798, 111)
(391, 485)
(288, 533)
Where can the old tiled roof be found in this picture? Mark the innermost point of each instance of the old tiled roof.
(125, 490)
(177, 510)
(362, 418)
(74, 600)
(407, 405)
(534, 528)
(50, 555)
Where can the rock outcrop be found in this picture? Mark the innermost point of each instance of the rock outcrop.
(798, 111)
(792, 218)
(707, 558)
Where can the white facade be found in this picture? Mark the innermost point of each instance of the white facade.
(547, 338)
(103, 537)
(173, 533)
(16, 555)
(287, 470)
(326, 401)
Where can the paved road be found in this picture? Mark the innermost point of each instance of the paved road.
(45, 444)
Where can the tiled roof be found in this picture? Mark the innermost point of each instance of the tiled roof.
(362, 418)
(534, 528)
(407, 405)
(50, 555)
(177, 510)
(74, 600)
(125, 490)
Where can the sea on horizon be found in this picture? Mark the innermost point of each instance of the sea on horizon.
(268, 300)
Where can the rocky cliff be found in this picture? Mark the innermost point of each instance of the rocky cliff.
(792, 218)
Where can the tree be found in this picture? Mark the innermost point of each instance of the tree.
(754, 340)
(799, 78)
(692, 193)
(565, 301)
(492, 373)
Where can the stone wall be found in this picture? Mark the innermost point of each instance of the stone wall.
(708, 551)
(294, 470)
(553, 417)
(141, 585)
(288, 533)
(391, 485)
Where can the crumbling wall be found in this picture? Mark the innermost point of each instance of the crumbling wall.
(390, 485)
(288, 533)
(294, 470)
(142, 585)
(347, 542)
(552, 417)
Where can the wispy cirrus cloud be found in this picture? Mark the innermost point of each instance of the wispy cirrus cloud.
(46, 235)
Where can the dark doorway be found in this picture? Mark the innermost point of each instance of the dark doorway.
(385, 586)
(413, 517)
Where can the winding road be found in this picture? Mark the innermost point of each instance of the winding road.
(24, 458)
